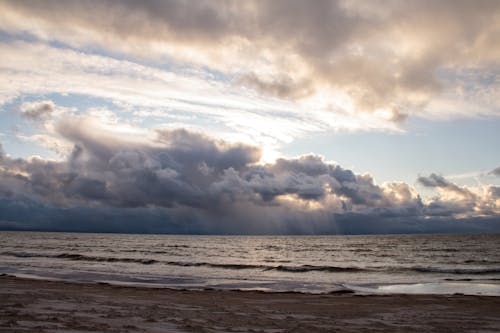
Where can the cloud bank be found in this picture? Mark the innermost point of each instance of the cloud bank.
(387, 58)
(175, 180)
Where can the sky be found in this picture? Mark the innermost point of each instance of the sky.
(250, 117)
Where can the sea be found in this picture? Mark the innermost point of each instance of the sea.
(423, 264)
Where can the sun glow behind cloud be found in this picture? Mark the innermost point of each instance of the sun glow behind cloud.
(38, 69)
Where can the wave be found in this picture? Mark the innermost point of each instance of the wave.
(382, 269)
(80, 257)
(263, 267)
(472, 271)
(232, 266)
(24, 255)
(311, 268)
(292, 269)
(481, 261)
(214, 265)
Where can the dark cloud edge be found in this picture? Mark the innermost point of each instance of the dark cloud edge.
(44, 218)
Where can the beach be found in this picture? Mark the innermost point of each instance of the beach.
(31, 305)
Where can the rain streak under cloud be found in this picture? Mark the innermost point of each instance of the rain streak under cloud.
(173, 116)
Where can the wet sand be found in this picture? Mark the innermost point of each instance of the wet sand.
(50, 306)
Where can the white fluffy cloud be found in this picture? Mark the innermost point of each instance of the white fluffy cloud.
(385, 58)
(174, 98)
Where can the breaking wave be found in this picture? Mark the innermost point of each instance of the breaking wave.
(279, 268)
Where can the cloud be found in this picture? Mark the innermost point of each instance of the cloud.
(283, 86)
(260, 74)
(146, 93)
(387, 58)
(37, 110)
(30, 215)
(200, 184)
(459, 201)
(440, 182)
(495, 171)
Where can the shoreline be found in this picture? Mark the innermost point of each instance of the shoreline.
(29, 305)
(451, 287)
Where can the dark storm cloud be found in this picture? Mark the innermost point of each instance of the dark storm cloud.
(30, 215)
(187, 182)
(177, 170)
(186, 169)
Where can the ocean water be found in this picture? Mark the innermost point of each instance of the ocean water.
(467, 264)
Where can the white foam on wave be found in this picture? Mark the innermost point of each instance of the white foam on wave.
(441, 288)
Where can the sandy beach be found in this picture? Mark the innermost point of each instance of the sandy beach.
(53, 306)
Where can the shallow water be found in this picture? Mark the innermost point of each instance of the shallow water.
(389, 263)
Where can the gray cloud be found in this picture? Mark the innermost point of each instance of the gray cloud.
(495, 171)
(195, 183)
(37, 110)
(388, 55)
(455, 200)
(440, 182)
(283, 86)
(30, 215)
(434, 181)
(382, 54)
